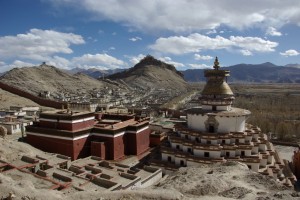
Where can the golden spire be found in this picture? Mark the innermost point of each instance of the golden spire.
(216, 64)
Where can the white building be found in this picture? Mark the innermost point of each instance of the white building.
(217, 132)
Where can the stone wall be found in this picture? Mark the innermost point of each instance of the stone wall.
(34, 98)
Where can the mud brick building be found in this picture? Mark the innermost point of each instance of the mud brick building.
(81, 134)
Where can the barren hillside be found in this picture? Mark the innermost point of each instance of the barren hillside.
(150, 73)
(8, 99)
(49, 78)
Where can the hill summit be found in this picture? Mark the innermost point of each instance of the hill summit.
(49, 78)
(151, 73)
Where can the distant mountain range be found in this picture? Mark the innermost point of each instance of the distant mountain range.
(260, 73)
(250, 73)
(93, 72)
(150, 72)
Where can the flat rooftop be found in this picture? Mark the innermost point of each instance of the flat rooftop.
(66, 112)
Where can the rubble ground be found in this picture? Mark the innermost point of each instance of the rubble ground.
(230, 180)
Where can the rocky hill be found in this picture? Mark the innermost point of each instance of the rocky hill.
(261, 73)
(151, 73)
(49, 78)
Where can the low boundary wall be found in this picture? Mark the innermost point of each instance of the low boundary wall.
(39, 100)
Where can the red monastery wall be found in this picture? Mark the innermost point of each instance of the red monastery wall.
(143, 141)
(52, 145)
(114, 146)
(137, 143)
(67, 126)
(98, 149)
(81, 148)
(36, 99)
(72, 148)
(119, 147)
(131, 140)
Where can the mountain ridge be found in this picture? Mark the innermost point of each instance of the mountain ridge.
(44, 77)
(252, 73)
(151, 73)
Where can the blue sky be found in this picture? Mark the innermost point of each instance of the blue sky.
(118, 33)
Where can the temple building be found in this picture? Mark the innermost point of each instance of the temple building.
(218, 132)
(82, 134)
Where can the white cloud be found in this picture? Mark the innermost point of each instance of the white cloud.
(199, 66)
(171, 62)
(246, 52)
(19, 63)
(136, 59)
(290, 52)
(200, 57)
(253, 43)
(187, 16)
(112, 48)
(15, 64)
(134, 39)
(196, 42)
(59, 62)
(97, 60)
(211, 32)
(273, 32)
(38, 44)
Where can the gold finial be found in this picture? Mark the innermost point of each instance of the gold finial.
(216, 64)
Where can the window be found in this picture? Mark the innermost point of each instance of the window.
(169, 158)
(249, 166)
(186, 137)
(227, 154)
(214, 108)
(177, 146)
(211, 129)
(206, 154)
(223, 141)
(208, 142)
(242, 153)
(189, 150)
(182, 163)
(197, 140)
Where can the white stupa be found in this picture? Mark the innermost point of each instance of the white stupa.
(217, 132)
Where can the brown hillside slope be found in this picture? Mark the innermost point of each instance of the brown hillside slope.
(8, 99)
(49, 78)
(151, 73)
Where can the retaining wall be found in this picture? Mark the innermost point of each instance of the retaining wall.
(39, 100)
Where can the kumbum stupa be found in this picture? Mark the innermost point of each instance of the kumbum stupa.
(217, 132)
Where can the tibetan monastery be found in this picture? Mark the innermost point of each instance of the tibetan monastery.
(82, 134)
(217, 132)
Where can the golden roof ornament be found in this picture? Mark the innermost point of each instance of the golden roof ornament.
(216, 64)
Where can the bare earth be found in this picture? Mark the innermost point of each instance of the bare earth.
(225, 181)
(8, 99)
(285, 152)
